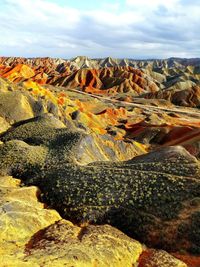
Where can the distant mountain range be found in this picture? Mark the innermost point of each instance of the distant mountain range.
(86, 62)
(173, 79)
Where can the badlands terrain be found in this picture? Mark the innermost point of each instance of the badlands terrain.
(99, 162)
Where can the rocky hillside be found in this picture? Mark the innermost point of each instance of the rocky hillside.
(124, 78)
(99, 162)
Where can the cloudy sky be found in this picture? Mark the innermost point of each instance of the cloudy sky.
(100, 28)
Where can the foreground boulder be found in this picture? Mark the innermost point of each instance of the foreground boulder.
(21, 216)
(32, 235)
(85, 247)
(14, 107)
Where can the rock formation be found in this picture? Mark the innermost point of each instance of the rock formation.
(103, 152)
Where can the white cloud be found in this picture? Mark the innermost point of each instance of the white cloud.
(147, 5)
(123, 19)
(29, 12)
(142, 28)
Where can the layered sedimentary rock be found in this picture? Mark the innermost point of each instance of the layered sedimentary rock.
(112, 76)
(108, 81)
(189, 96)
(99, 142)
(144, 123)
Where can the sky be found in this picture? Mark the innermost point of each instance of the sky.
(139, 29)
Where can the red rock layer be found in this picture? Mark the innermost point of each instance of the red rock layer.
(107, 81)
(125, 82)
(189, 97)
(191, 261)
